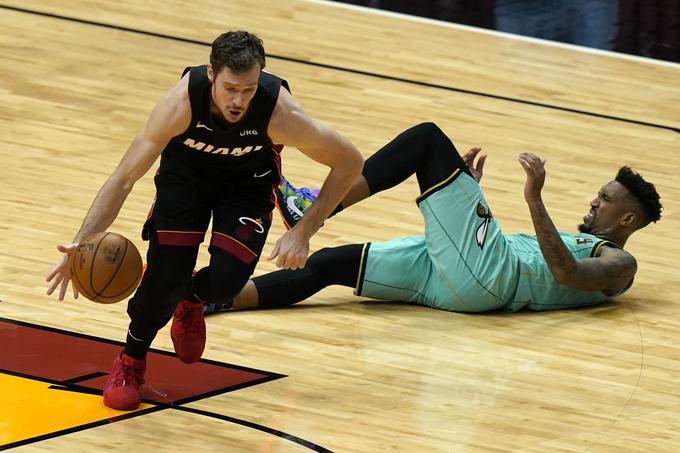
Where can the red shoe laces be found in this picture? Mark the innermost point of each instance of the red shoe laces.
(129, 375)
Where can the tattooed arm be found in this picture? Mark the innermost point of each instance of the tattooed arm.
(610, 272)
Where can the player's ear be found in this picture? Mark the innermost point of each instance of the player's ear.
(629, 219)
(211, 73)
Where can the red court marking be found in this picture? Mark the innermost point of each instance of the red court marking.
(45, 353)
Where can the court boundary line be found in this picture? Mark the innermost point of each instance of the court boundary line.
(497, 33)
(354, 71)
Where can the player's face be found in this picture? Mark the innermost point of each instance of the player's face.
(607, 209)
(232, 92)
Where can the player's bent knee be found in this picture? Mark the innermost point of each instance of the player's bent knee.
(216, 285)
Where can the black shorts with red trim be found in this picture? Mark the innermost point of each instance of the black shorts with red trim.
(239, 201)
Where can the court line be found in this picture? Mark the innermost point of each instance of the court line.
(356, 71)
(178, 406)
(72, 385)
(238, 421)
(497, 33)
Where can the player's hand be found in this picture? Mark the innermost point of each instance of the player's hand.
(534, 167)
(61, 272)
(291, 250)
(477, 169)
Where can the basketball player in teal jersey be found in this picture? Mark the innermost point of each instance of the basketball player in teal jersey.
(463, 262)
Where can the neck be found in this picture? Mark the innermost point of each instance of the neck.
(617, 238)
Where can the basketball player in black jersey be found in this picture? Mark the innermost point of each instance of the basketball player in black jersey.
(219, 133)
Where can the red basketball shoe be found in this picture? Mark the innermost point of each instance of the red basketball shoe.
(123, 388)
(188, 331)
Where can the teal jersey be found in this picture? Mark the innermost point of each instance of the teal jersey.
(537, 289)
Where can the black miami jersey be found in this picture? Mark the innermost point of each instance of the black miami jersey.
(227, 174)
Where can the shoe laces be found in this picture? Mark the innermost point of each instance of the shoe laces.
(129, 375)
(190, 317)
(307, 193)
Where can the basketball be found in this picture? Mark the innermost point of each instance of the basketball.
(106, 268)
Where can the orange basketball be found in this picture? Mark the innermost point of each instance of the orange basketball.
(106, 268)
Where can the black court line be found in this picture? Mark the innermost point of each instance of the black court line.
(281, 434)
(85, 377)
(356, 71)
(71, 385)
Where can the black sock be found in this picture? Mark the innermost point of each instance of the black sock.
(136, 347)
(329, 266)
(337, 210)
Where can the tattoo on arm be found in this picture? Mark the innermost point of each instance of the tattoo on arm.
(560, 261)
(612, 272)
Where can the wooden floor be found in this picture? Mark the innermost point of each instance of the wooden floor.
(361, 376)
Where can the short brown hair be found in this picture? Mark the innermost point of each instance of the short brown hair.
(237, 50)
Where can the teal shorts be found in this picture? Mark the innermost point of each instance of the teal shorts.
(462, 263)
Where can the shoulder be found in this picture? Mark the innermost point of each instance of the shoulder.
(287, 111)
(172, 114)
(614, 252)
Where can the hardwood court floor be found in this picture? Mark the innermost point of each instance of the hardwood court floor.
(359, 376)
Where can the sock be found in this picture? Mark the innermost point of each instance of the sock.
(337, 210)
(136, 347)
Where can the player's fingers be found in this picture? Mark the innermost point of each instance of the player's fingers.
(66, 248)
(53, 285)
(275, 251)
(480, 162)
(281, 260)
(62, 290)
(52, 273)
(525, 165)
(75, 292)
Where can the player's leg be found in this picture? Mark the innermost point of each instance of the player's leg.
(423, 150)
(167, 280)
(175, 228)
(326, 267)
(466, 245)
(396, 270)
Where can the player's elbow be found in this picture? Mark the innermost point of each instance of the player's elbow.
(123, 181)
(564, 276)
(355, 163)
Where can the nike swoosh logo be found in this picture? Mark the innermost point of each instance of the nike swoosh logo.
(290, 202)
(199, 124)
(263, 174)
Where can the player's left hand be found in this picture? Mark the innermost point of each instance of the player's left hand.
(291, 250)
(534, 167)
(477, 169)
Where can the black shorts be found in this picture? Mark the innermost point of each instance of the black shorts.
(240, 202)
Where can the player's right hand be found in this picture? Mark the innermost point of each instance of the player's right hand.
(534, 167)
(61, 272)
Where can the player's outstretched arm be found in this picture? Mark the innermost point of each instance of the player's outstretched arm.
(610, 272)
(170, 117)
(292, 126)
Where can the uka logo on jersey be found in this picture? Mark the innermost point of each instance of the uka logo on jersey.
(207, 148)
(482, 230)
(251, 132)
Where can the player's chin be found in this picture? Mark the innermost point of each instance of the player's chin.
(583, 228)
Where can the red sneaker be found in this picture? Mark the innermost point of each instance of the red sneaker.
(188, 331)
(123, 388)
